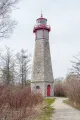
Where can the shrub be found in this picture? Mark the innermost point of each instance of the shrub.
(59, 89)
(72, 86)
(17, 103)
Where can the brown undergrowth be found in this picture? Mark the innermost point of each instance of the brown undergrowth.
(17, 103)
(71, 103)
(72, 89)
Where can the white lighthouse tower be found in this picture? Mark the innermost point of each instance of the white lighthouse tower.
(42, 75)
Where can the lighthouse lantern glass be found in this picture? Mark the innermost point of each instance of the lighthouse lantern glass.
(41, 21)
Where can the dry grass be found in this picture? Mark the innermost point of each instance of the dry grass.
(59, 89)
(17, 103)
(72, 104)
(72, 89)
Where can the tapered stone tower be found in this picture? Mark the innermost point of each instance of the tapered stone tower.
(42, 75)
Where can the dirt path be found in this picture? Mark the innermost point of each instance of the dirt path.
(64, 111)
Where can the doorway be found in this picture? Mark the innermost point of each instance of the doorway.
(48, 90)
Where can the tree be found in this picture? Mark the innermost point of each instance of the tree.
(6, 23)
(72, 82)
(72, 88)
(59, 89)
(23, 64)
(7, 67)
(75, 66)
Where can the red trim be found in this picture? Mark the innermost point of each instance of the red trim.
(41, 19)
(39, 27)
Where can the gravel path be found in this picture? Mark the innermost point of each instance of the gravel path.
(64, 111)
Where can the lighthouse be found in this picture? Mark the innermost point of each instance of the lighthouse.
(42, 76)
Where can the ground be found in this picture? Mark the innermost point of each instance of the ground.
(64, 111)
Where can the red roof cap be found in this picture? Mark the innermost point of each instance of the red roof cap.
(41, 17)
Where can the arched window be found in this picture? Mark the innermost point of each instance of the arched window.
(37, 87)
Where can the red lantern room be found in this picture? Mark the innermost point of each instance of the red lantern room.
(41, 29)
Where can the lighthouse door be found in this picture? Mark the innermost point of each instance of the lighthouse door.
(48, 90)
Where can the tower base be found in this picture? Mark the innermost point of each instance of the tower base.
(45, 88)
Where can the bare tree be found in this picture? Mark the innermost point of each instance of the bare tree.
(75, 66)
(72, 88)
(72, 82)
(6, 23)
(23, 63)
(59, 87)
(7, 67)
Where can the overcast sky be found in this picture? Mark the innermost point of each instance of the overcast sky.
(63, 17)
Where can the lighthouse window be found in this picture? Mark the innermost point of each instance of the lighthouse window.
(43, 21)
(38, 21)
(37, 87)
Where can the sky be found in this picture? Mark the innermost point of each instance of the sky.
(63, 17)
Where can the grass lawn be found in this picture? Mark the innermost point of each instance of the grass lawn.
(72, 104)
(47, 110)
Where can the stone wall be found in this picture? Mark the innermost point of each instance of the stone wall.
(42, 74)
